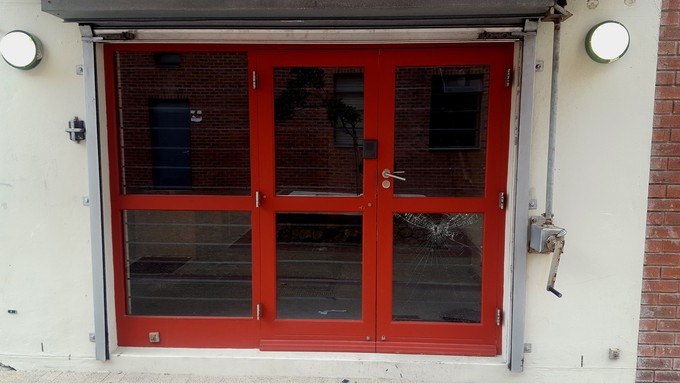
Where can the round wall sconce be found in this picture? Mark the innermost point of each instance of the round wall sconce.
(21, 50)
(607, 42)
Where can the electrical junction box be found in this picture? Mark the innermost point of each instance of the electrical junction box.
(539, 234)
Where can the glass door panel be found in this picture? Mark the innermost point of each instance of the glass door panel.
(318, 114)
(184, 224)
(437, 267)
(188, 263)
(443, 161)
(318, 266)
(440, 128)
(184, 122)
(319, 207)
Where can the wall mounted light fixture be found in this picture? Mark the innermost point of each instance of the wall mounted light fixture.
(607, 42)
(21, 50)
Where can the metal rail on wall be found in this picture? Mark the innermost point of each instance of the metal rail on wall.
(546, 237)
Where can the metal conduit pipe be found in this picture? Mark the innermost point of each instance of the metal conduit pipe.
(544, 236)
(552, 130)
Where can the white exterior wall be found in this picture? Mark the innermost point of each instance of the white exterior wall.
(602, 166)
(604, 139)
(45, 267)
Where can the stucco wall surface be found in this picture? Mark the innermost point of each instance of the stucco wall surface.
(602, 167)
(45, 269)
(603, 145)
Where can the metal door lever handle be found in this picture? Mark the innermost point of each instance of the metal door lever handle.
(387, 174)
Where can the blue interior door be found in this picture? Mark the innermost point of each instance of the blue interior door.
(171, 143)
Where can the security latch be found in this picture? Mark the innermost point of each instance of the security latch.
(76, 130)
(547, 238)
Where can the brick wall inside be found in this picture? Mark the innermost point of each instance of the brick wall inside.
(659, 340)
(307, 156)
(216, 83)
(435, 172)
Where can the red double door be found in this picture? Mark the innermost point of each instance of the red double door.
(372, 219)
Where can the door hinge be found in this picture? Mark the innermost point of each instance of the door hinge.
(508, 77)
(499, 316)
(501, 200)
(255, 80)
(258, 311)
(257, 199)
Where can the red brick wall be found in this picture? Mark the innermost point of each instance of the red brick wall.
(215, 83)
(307, 158)
(434, 172)
(659, 342)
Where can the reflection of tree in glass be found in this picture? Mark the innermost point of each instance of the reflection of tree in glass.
(297, 95)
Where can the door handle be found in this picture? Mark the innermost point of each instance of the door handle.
(387, 174)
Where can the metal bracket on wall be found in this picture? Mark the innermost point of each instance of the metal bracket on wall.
(558, 13)
(76, 130)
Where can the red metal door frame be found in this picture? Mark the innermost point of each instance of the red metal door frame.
(328, 334)
(484, 338)
(133, 330)
(376, 204)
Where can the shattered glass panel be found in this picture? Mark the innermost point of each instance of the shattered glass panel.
(437, 267)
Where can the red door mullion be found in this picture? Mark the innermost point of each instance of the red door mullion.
(385, 201)
(267, 228)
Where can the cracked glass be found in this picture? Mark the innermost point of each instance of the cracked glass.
(437, 267)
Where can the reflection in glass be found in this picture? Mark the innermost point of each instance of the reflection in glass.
(183, 122)
(318, 266)
(188, 263)
(440, 131)
(437, 267)
(455, 111)
(319, 116)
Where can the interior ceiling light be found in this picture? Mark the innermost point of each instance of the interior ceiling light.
(607, 42)
(21, 50)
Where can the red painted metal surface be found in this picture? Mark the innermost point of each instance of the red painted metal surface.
(376, 204)
(133, 330)
(423, 337)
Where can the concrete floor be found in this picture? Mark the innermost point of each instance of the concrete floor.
(8, 376)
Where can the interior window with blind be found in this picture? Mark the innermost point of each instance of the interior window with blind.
(455, 111)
